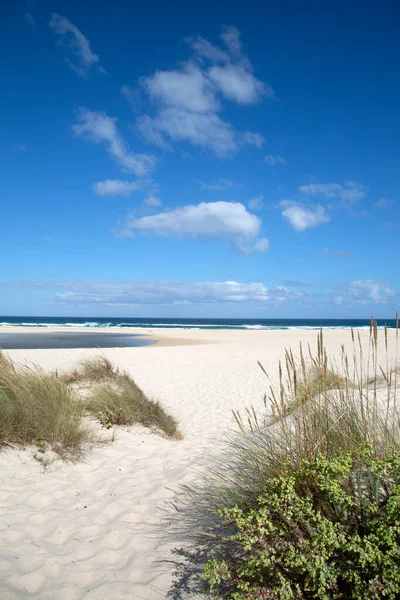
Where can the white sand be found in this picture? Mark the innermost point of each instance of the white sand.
(93, 529)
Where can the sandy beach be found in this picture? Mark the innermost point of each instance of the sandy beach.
(95, 529)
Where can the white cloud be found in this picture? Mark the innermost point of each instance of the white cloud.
(238, 85)
(167, 293)
(204, 49)
(115, 187)
(188, 89)
(79, 45)
(362, 291)
(253, 139)
(221, 184)
(384, 203)
(99, 128)
(187, 100)
(205, 130)
(301, 218)
(350, 193)
(274, 160)
(205, 221)
(256, 203)
(153, 201)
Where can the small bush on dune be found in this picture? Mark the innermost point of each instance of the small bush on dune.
(122, 402)
(303, 502)
(328, 529)
(36, 407)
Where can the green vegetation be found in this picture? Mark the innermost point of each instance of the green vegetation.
(328, 529)
(304, 501)
(122, 402)
(91, 370)
(38, 408)
(48, 410)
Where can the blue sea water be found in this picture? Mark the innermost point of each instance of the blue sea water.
(164, 323)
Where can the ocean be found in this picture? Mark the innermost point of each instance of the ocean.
(175, 323)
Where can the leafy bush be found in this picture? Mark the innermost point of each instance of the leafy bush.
(317, 415)
(328, 529)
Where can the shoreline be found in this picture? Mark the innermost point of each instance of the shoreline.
(169, 337)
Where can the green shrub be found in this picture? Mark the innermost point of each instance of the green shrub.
(318, 409)
(325, 530)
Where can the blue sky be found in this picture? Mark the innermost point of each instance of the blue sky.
(199, 159)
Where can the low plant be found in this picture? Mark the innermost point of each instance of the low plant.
(328, 529)
(122, 402)
(38, 408)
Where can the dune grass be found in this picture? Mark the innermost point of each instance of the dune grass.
(39, 408)
(91, 370)
(120, 401)
(320, 406)
(48, 409)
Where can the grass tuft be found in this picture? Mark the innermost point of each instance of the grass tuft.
(91, 370)
(39, 408)
(121, 401)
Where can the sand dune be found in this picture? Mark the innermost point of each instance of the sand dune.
(95, 529)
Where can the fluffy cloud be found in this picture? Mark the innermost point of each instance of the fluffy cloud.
(188, 99)
(206, 130)
(237, 84)
(274, 160)
(363, 291)
(350, 193)
(188, 89)
(115, 187)
(301, 218)
(303, 215)
(206, 221)
(77, 43)
(99, 128)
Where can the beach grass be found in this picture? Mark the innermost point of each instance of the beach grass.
(39, 408)
(119, 400)
(92, 370)
(49, 409)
